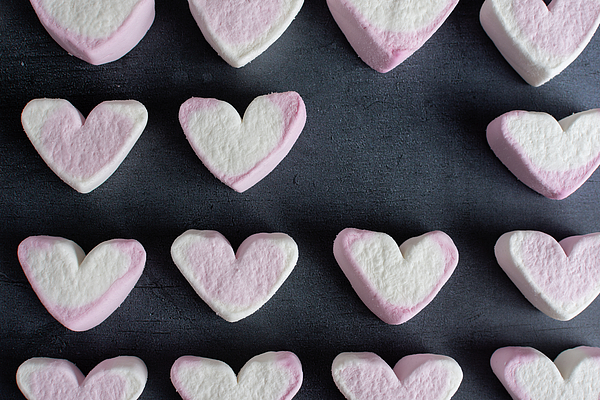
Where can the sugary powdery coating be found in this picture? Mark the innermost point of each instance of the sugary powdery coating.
(83, 152)
(120, 378)
(540, 41)
(234, 285)
(559, 278)
(81, 291)
(96, 31)
(554, 158)
(241, 152)
(241, 30)
(386, 32)
(268, 376)
(365, 376)
(527, 374)
(395, 283)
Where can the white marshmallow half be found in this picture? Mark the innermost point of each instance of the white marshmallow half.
(527, 374)
(268, 376)
(120, 378)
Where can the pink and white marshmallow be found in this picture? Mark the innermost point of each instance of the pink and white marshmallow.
(268, 376)
(561, 279)
(78, 290)
(527, 374)
(395, 283)
(539, 41)
(240, 152)
(98, 32)
(120, 378)
(242, 30)
(554, 158)
(83, 152)
(386, 32)
(365, 376)
(234, 285)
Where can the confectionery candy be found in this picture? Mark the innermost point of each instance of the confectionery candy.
(268, 376)
(241, 152)
(234, 285)
(395, 283)
(561, 278)
(365, 376)
(119, 378)
(241, 30)
(83, 152)
(386, 32)
(81, 291)
(554, 158)
(97, 31)
(528, 374)
(539, 40)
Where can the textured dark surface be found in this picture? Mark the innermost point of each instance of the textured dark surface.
(402, 153)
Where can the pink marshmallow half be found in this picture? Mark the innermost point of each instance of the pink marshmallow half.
(528, 374)
(97, 32)
(240, 152)
(234, 285)
(268, 376)
(83, 152)
(386, 32)
(395, 283)
(120, 378)
(561, 279)
(242, 30)
(365, 376)
(554, 158)
(81, 291)
(540, 41)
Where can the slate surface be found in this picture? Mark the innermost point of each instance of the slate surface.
(402, 153)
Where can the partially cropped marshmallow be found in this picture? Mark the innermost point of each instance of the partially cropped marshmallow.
(365, 376)
(395, 282)
(554, 158)
(528, 374)
(242, 30)
(559, 278)
(81, 291)
(83, 152)
(241, 152)
(96, 31)
(386, 32)
(540, 41)
(234, 285)
(268, 376)
(120, 378)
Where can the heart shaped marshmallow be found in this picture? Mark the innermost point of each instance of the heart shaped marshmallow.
(242, 152)
(527, 374)
(234, 285)
(120, 378)
(559, 278)
(83, 153)
(81, 291)
(539, 41)
(395, 283)
(241, 30)
(359, 376)
(96, 31)
(554, 158)
(386, 32)
(268, 376)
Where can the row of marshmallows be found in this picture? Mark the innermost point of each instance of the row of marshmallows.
(539, 41)
(395, 282)
(525, 372)
(552, 157)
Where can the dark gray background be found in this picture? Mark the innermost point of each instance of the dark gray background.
(402, 153)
